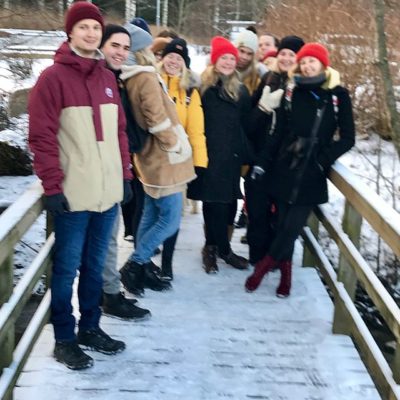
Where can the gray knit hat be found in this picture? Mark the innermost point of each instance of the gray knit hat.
(140, 39)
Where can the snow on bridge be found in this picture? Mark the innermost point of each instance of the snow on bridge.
(209, 339)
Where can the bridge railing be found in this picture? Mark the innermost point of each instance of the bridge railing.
(14, 222)
(361, 204)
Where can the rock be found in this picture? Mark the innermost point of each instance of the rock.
(18, 102)
(14, 161)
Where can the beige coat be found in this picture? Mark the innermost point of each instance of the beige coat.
(165, 164)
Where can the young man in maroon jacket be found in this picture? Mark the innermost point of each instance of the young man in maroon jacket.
(77, 135)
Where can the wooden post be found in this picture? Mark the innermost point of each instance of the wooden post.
(309, 260)
(396, 364)
(6, 279)
(352, 221)
(341, 324)
(6, 288)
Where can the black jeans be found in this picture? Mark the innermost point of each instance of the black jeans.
(260, 226)
(216, 221)
(137, 211)
(291, 219)
(128, 210)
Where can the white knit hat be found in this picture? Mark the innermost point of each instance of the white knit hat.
(248, 39)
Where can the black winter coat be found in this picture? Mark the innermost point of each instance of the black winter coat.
(227, 146)
(291, 177)
(259, 121)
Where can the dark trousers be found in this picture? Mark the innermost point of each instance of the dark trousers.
(216, 220)
(168, 249)
(135, 217)
(260, 226)
(291, 219)
(128, 210)
(232, 212)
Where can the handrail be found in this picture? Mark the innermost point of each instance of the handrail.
(383, 218)
(14, 222)
(361, 203)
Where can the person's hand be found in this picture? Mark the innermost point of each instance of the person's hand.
(257, 173)
(56, 204)
(128, 194)
(269, 101)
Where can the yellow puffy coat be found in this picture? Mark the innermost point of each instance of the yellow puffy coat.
(190, 113)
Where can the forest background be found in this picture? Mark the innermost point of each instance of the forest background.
(361, 35)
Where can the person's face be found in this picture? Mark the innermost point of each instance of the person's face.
(246, 56)
(226, 64)
(266, 43)
(311, 66)
(85, 37)
(116, 50)
(173, 64)
(286, 60)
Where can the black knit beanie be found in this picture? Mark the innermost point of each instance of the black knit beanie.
(109, 30)
(178, 46)
(293, 43)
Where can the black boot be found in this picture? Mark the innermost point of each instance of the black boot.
(132, 275)
(96, 339)
(72, 356)
(209, 258)
(236, 261)
(116, 305)
(152, 281)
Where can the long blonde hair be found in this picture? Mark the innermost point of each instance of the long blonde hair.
(184, 80)
(145, 57)
(231, 84)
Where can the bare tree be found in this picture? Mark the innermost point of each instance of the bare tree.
(130, 9)
(164, 21)
(383, 64)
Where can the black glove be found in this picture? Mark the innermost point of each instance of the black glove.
(128, 194)
(56, 204)
(257, 173)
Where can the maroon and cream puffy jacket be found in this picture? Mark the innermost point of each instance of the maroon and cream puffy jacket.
(77, 132)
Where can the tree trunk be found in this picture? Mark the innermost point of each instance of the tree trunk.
(165, 14)
(216, 17)
(385, 72)
(181, 14)
(130, 10)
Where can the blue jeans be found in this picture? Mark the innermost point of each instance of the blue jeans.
(161, 219)
(81, 244)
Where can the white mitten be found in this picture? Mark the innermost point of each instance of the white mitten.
(269, 101)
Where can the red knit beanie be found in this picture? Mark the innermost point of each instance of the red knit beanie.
(221, 46)
(82, 10)
(314, 50)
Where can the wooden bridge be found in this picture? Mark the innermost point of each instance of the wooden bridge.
(208, 338)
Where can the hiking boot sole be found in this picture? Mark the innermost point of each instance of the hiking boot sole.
(107, 352)
(85, 365)
(132, 319)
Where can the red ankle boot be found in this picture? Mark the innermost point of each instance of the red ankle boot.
(262, 267)
(285, 284)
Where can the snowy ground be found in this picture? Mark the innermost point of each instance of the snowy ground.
(209, 339)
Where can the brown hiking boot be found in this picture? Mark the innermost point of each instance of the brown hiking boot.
(209, 255)
(236, 261)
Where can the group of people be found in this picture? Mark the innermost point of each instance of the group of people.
(121, 116)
